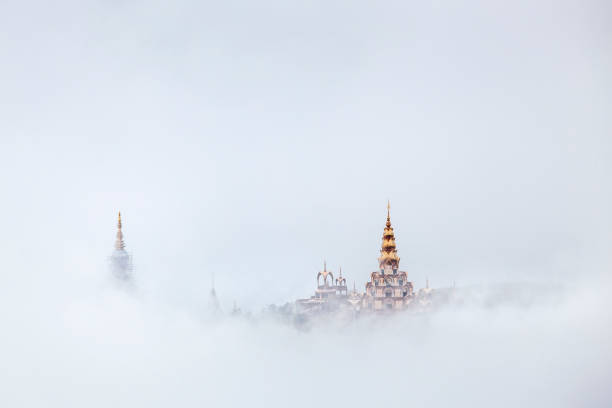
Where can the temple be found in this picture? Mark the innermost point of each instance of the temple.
(121, 261)
(388, 288)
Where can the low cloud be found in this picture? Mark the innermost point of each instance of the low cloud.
(520, 344)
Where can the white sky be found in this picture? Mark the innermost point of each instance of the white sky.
(257, 139)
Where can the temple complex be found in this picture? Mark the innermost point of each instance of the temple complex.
(387, 289)
(121, 261)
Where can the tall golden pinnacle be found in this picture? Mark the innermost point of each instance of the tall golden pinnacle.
(119, 244)
(388, 252)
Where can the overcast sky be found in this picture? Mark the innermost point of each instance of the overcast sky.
(256, 139)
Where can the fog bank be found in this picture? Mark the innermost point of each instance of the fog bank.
(97, 346)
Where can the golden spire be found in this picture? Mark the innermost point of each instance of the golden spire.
(388, 252)
(119, 244)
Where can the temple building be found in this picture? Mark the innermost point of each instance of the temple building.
(120, 260)
(388, 287)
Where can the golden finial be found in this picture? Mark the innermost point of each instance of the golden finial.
(388, 213)
(119, 220)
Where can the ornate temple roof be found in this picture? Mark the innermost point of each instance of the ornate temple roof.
(388, 252)
(325, 273)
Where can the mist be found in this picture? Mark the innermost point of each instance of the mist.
(103, 346)
(253, 141)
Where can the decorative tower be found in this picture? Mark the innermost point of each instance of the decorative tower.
(325, 274)
(388, 287)
(121, 262)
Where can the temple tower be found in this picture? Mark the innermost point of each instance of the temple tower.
(121, 262)
(389, 287)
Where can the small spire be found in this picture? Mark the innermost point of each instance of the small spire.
(340, 273)
(388, 208)
(427, 283)
(324, 265)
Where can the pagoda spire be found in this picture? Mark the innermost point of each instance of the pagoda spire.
(388, 252)
(121, 262)
(119, 244)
